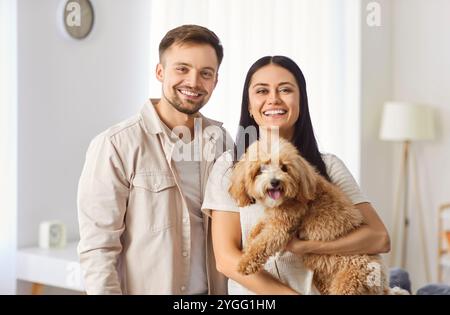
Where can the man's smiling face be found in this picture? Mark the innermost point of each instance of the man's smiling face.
(188, 74)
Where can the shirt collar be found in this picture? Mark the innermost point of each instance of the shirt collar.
(153, 124)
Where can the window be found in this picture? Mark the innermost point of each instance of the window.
(322, 36)
(8, 141)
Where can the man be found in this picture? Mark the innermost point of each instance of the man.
(141, 228)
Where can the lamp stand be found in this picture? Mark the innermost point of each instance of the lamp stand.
(400, 211)
(403, 213)
(406, 215)
(421, 220)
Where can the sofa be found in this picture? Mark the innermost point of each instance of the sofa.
(400, 278)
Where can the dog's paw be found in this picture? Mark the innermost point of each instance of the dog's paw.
(248, 267)
(397, 291)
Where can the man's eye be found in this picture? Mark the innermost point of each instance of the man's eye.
(181, 69)
(207, 74)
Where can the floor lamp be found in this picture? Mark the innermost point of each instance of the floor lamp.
(406, 123)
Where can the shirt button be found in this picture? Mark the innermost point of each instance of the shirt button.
(185, 254)
(183, 288)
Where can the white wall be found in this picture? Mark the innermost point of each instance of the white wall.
(69, 91)
(376, 88)
(421, 73)
(407, 58)
(8, 146)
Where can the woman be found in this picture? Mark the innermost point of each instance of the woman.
(275, 96)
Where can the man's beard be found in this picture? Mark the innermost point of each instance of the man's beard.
(177, 104)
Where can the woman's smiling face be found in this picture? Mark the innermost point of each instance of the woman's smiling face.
(274, 99)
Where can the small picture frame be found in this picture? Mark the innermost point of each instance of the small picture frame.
(52, 234)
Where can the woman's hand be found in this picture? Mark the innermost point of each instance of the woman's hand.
(226, 239)
(301, 247)
(370, 238)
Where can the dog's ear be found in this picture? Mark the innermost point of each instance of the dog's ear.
(307, 180)
(237, 188)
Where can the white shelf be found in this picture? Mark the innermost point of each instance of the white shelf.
(55, 267)
(445, 260)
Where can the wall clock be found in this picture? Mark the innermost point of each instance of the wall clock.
(78, 18)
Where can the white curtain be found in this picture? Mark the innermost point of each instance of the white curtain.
(8, 146)
(322, 36)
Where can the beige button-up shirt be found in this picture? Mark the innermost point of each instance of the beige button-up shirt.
(133, 219)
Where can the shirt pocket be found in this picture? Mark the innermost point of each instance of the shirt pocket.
(154, 182)
(154, 199)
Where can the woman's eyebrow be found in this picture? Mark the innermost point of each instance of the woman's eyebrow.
(265, 84)
(288, 83)
(262, 84)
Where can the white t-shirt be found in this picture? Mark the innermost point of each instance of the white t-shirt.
(287, 267)
(188, 171)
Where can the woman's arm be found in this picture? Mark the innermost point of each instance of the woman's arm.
(226, 238)
(370, 238)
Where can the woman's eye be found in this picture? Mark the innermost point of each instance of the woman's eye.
(285, 90)
(262, 91)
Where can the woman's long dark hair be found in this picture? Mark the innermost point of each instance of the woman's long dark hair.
(303, 137)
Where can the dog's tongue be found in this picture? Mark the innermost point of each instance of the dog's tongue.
(274, 194)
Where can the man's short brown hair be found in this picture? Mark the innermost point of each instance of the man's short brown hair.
(191, 34)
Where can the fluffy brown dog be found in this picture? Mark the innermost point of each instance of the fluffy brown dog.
(298, 199)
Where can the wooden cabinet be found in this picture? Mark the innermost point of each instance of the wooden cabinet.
(444, 244)
(53, 267)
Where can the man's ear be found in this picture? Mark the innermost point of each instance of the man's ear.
(159, 72)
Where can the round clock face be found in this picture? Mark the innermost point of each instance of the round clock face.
(78, 18)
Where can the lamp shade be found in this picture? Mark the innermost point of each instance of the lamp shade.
(406, 122)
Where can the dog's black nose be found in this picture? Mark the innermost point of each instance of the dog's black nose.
(274, 182)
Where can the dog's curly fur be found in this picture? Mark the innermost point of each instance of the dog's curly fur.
(299, 200)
